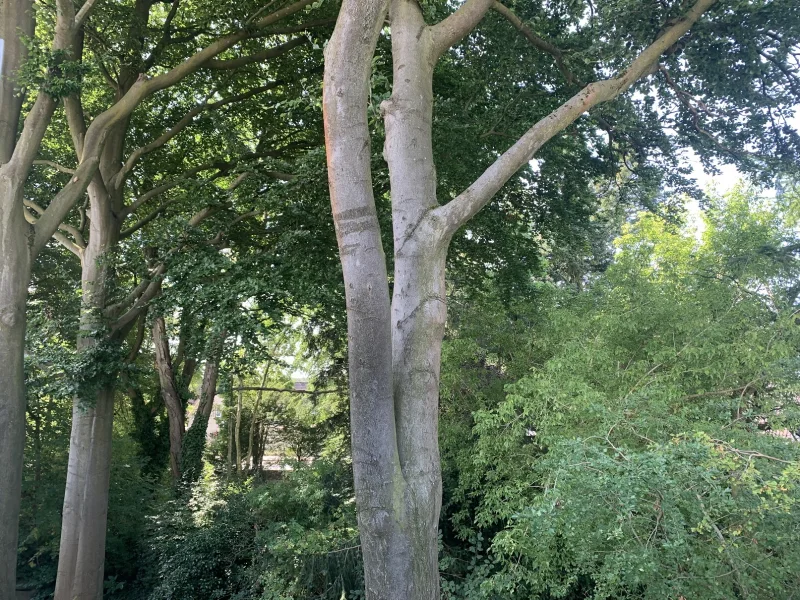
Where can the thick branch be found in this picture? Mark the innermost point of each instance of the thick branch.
(84, 12)
(459, 210)
(137, 292)
(59, 237)
(97, 131)
(452, 30)
(73, 231)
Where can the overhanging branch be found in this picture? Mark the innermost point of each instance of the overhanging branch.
(459, 210)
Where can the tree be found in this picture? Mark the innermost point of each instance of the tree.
(395, 336)
(99, 147)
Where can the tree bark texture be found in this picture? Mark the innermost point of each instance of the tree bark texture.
(170, 395)
(15, 269)
(395, 346)
(83, 526)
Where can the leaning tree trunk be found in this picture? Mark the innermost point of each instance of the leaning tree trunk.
(170, 395)
(195, 439)
(16, 18)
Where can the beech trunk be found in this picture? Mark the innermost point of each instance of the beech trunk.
(16, 17)
(81, 559)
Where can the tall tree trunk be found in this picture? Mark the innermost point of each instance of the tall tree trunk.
(16, 18)
(169, 392)
(379, 481)
(82, 549)
(90, 558)
(239, 428)
(15, 272)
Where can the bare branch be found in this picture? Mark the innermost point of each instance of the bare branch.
(166, 35)
(84, 12)
(61, 204)
(287, 390)
(76, 122)
(55, 165)
(459, 210)
(536, 41)
(137, 343)
(59, 237)
(452, 30)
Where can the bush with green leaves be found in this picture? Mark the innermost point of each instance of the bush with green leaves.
(645, 455)
(291, 538)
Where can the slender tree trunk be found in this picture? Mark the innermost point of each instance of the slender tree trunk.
(16, 17)
(239, 428)
(254, 423)
(169, 392)
(229, 461)
(261, 443)
(195, 439)
(379, 481)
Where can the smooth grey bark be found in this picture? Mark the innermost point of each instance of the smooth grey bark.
(395, 348)
(16, 19)
(378, 478)
(83, 530)
(15, 271)
(170, 395)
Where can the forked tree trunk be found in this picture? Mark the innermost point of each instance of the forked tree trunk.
(170, 395)
(395, 352)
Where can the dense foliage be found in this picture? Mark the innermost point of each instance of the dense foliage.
(620, 386)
